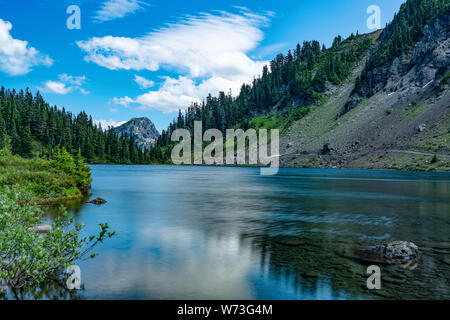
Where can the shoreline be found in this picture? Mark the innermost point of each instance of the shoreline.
(281, 167)
(59, 200)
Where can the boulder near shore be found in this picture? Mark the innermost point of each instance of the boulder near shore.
(397, 252)
(98, 201)
(43, 229)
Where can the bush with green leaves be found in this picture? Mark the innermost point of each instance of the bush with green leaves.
(44, 179)
(26, 257)
(75, 167)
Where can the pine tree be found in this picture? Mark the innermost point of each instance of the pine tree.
(30, 122)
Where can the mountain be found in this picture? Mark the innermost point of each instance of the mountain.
(394, 111)
(142, 130)
(378, 100)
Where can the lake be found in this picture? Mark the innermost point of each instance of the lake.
(187, 232)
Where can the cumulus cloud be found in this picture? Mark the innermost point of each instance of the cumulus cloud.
(116, 9)
(108, 123)
(210, 51)
(74, 80)
(142, 82)
(173, 94)
(124, 101)
(16, 57)
(178, 93)
(65, 85)
(55, 87)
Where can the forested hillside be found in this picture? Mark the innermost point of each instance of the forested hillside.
(31, 126)
(308, 94)
(294, 82)
(289, 88)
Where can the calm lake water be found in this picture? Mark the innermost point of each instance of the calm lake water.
(229, 233)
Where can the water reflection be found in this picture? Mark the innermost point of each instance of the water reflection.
(219, 233)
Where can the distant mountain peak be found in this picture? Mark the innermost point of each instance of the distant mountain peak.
(142, 129)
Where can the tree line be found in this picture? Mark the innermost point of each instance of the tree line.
(31, 127)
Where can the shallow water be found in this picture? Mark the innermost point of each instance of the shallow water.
(229, 233)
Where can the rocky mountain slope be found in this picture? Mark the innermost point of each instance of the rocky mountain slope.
(142, 130)
(377, 100)
(398, 119)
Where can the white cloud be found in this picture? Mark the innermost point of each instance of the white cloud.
(55, 87)
(74, 80)
(175, 94)
(208, 50)
(142, 82)
(116, 9)
(108, 123)
(125, 101)
(65, 85)
(16, 57)
(83, 91)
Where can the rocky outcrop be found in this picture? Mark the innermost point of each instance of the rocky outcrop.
(402, 109)
(141, 129)
(425, 65)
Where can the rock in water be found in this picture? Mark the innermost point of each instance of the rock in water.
(44, 229)
(98, 201)
(397, 252)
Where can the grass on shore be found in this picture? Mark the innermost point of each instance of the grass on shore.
(45, 180)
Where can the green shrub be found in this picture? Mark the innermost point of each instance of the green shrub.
(75, 167)
(63, 176)
(26, 258)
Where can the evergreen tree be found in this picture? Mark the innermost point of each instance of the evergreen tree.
(28, 122)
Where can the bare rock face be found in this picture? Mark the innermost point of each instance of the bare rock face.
(422, 67)
(142, 130)
(397, 252)
(326, 149)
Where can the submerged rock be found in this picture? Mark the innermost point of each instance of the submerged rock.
(397, 252)
(98, 201)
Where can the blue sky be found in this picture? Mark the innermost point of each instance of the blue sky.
(149, 58)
